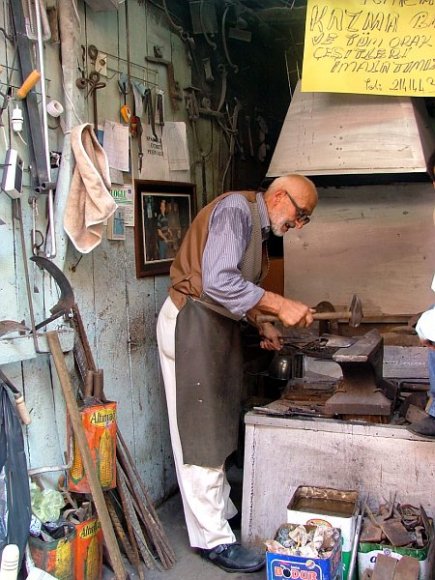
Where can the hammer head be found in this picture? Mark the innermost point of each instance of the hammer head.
(356, 312)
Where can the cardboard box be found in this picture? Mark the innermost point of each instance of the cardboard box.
(368, 552)
(280, 566)
(330, 507)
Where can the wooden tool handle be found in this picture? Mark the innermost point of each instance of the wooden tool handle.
(331, 315)
(28, 84)
(316, 316)
(99, 385)
(22, 410)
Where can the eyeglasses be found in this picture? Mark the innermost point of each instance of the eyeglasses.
(301, 215)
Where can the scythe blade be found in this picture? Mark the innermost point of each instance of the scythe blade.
(66, 300)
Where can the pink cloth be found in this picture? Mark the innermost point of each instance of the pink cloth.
(89, 202)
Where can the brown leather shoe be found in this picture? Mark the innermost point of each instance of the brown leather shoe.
(424, 427)
(234, 558)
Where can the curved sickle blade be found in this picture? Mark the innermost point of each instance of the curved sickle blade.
(66, 301)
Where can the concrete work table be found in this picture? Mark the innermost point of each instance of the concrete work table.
(283, 453)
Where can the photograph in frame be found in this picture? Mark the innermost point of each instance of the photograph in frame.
(164, 213)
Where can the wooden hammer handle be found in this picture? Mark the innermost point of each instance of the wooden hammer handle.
(28, 84)
(316, 316)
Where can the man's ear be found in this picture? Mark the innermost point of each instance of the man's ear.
(277, 196)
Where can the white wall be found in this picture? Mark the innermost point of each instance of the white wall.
(374, 241)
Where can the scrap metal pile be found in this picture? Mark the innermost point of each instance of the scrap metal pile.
(398, 525)
(305, 541)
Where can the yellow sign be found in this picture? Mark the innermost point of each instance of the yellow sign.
(376, 47)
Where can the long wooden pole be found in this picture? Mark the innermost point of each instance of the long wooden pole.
(91, 472)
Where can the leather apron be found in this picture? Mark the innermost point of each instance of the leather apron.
(209, 371)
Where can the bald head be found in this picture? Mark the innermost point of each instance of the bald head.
(290, 201)
(300, 188)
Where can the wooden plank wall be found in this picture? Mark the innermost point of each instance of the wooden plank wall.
(375, 241)
(119, 311)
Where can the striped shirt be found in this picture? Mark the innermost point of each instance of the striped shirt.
(230, 230)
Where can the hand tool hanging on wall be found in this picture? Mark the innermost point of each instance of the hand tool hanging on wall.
(95, 83)
(123, 87)
(82, 81)
(138, 96)
(20, 404)
(136, 132)
(159, 108)
(37, 126)
(28, 84)
(173, 87)
(139, 147)
(149, 110)
(66, 300)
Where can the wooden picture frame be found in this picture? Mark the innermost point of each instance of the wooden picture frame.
(164, 211)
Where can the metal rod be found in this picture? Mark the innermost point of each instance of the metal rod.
(355, 547)
(50, 198)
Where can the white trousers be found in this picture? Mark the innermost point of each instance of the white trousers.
(204, 491)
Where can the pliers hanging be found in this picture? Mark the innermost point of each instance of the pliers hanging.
(149, 109)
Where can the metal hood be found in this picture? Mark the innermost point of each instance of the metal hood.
(335, 133)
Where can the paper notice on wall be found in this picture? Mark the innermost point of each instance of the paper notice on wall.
(175, 136)
(123, 195)
(116, 176)
(116, 145)
(155, 163)
(378, 47)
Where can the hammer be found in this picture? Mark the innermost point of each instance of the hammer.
(354, 314)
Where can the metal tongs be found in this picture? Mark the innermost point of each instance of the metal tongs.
(323, 341)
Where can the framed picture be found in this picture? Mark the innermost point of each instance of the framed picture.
(164, 211)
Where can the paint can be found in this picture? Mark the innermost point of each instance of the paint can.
(89, 550)
(99, 423)
(57, 556)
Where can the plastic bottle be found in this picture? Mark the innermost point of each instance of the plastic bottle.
(9, 564)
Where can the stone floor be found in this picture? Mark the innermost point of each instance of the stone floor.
(189, 565)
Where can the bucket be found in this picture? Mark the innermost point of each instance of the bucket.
(57, 556)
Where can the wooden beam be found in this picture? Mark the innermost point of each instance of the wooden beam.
(91, 472)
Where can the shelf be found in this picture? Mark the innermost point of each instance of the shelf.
(20, 348)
